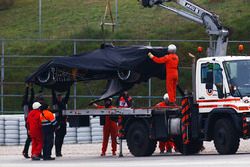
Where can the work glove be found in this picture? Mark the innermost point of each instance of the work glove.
(93, 103)
(150, 55)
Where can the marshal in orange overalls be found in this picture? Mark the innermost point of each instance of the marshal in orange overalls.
(171, 61)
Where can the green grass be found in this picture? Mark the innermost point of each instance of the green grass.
(79, 19)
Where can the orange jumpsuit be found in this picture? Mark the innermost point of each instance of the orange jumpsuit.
(168, 145)
(109, 129)
(171, 61)
(35, 132)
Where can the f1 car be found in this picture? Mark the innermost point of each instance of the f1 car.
(121, 66)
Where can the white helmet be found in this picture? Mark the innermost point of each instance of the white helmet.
(172, 48)
(165, 97)
(36, 105)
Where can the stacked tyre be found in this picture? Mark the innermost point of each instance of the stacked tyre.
(96, 130)
(1, 130)
(83, 135)
(11, 130)
(70, 137)
(22, 131)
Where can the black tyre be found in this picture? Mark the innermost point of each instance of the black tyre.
(194, 147)
(45, 77)
(128, 76)
(226, 137)
(138, 141)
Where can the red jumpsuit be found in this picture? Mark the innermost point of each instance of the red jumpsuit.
(35, 132)
(123, 103)
(168, 145)
(171, 61)
(109, 128)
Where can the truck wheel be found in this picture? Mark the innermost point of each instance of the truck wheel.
(226, 138)
(193, 147)
(138, 141)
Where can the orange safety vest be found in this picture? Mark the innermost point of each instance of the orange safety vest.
(47, 118)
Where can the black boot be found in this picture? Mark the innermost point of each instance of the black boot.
(35, 158)
(58, 154)
(48, 159)
(26, 155)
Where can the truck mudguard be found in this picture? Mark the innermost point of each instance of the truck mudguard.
(217, 114)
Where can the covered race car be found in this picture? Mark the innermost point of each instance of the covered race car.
(121, 66)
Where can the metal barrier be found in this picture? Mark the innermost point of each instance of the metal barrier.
(17, 63)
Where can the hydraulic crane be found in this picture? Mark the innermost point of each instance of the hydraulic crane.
(217, 33)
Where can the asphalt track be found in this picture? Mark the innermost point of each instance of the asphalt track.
(88, 156)
(208, 160)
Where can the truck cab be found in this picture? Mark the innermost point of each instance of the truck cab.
(223, 82)
(222, 93)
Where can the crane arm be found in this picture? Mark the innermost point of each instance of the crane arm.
(218, 34)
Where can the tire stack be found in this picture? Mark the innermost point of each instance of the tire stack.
(70, 137)
(22, 131)
(83, 135)
(11, 129)
(96, 130)
(1, 130)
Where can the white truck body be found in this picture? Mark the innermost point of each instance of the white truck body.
(230, 68)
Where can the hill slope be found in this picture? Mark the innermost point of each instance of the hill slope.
(67, 18)
(62, 19)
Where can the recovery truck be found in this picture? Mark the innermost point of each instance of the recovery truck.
(217, 110)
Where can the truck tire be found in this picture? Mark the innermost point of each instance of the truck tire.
(194, 147)
(138, 141)
(226, 137)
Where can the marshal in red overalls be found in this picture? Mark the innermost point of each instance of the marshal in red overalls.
(109, 129)
(168, 145)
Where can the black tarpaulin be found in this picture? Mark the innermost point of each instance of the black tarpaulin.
(106, 63)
